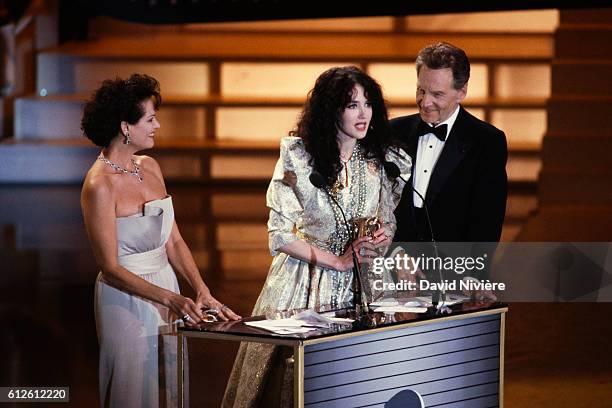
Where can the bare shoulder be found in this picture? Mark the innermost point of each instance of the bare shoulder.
(97, 187)
(147, 163)
(151, 166)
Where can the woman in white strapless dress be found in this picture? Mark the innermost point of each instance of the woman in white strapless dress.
(130, 222)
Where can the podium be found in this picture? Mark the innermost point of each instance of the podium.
(453, 360)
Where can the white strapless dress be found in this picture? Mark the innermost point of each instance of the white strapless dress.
(137, 345)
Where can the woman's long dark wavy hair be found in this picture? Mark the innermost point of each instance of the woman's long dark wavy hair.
(320, 119)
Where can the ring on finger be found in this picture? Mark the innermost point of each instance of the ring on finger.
(209, 318)
(186, 318)
(362, 251)
(223, 307)
(210, 311)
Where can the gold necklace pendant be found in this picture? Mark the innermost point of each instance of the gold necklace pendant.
(346, 173)
(337, 187)
(346, 180)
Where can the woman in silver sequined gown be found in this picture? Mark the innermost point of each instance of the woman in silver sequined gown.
(343, 135)
(130, 222)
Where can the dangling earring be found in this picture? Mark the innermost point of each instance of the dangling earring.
(127, 138)
(371, 127)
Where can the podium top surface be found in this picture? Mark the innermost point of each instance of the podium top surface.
(370, 322)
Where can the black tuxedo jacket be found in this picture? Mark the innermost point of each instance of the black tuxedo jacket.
(467, 190)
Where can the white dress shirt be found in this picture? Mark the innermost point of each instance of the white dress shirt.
(428, 152)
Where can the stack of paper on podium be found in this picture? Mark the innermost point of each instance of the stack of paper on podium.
(302, 322)
(417, 304)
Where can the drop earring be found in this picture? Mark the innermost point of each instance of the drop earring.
(127, 140)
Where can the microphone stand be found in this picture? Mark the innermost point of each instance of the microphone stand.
(440, 293)
(358, 301)
(359, 304)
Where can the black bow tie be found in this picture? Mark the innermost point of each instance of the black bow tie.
(439, 131)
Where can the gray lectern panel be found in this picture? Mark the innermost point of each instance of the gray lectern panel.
(382, 381)
(395, 356)
(462, 394)
(487, 401)
(447, 363)
(402, 367)
(411, 330)
(401, 339)
(381, 397)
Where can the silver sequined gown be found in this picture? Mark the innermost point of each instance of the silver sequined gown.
(298, 210)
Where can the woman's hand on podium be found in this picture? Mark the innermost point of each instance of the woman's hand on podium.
(185, 308)
(207, 301)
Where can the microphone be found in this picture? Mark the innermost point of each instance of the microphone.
(393, 172)
(317, 180)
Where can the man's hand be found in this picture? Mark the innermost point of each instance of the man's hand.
(479, 295)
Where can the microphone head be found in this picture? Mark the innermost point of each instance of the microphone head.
(317, 180)
(391, 169)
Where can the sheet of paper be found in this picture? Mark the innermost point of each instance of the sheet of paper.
(422, 301)
(400, 309)
(281, 326)
(341, 320)
(302, 322)
(384, 302)
(331, 316)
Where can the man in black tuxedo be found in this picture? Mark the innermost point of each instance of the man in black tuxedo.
(459, 161)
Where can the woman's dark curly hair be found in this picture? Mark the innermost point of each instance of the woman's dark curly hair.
(115, 101)
(320, 119)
